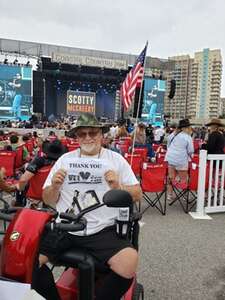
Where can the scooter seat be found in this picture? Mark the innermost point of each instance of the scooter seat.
(74, 257)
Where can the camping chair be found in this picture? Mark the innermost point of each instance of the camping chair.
(30, 146)
(160, 157)
(136, 162)
(153, 180)
(8, 159)
(19, 157)
(34, 192)
(123, 148)
(186, 192)
(142, 151)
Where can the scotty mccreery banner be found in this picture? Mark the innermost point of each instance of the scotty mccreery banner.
(80, 102)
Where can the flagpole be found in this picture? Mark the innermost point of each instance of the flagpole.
(138, 108)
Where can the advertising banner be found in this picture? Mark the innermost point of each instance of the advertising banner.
(89, 61)
(80, 102)
(15, 92)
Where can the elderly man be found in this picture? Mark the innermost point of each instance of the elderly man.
(89, 172)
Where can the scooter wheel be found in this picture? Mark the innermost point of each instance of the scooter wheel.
(138, 292)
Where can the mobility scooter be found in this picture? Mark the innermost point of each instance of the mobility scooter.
(19, 248)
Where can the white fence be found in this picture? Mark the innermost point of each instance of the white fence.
(211, 184)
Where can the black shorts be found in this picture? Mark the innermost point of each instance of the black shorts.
(102, 245)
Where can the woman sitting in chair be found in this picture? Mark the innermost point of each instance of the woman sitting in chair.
(52, 152)
(140, 139)
(179, 151)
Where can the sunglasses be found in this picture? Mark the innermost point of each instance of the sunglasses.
(84, 134)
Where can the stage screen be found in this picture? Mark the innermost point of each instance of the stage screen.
(15, 92)
(153, 101)
(80, 102)
(103, 103)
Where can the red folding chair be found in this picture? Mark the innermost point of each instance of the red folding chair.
(8, 159)
(142, 151)
(154, 180)
(36, 183)
(19, 157)
(186, 192)
(136, 162)
(160, 158)
(155, 147)
(30, 146)
(123, 148)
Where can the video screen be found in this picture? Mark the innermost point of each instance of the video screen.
(153, 101)
(15, 92)
(105, 95)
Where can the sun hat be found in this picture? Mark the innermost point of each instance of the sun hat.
(87, 120)
(184, 123)
(215, 122)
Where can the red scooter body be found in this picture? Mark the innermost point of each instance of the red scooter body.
(21, 243)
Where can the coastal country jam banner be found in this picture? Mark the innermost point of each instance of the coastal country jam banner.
(79, 102)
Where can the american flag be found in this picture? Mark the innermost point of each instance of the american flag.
(133, 80)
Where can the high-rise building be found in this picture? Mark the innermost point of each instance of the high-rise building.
(177, 107)
(198, 85)
(206, 74)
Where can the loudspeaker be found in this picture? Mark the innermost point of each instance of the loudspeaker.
(172, 88)
(38, 92)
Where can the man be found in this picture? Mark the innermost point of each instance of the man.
(216, 140)
(88, 173)
(16, 106)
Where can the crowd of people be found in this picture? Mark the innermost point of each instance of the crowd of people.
(98, 162)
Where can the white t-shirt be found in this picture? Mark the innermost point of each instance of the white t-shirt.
(85, 181)
(158, 133)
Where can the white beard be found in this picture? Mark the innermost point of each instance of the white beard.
(88, 148)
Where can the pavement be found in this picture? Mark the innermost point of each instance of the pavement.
(182, 258)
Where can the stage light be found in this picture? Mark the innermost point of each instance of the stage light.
(5, 61)
(15, 61)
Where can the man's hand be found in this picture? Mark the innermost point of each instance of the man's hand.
(112, 178)
(58, 178)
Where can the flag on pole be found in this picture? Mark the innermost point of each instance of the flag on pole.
(133, 80)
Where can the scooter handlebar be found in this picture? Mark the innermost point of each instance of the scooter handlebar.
(73, 227)
(6, 217)
(7, 214)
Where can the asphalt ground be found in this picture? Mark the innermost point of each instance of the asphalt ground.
(181, 258)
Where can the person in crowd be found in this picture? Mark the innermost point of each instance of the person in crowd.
(149, 133)
(179, 151)
(113, 131)
(130, 127)
(140, 140)
(100, 238)
(52, 151)
(158, 135)
(107, 143)
(4, 186)
(216, 140)
(122, 132)
(15, 143)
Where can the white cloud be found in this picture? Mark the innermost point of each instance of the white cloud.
(171, 27)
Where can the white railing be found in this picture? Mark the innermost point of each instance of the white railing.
(210, 196)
